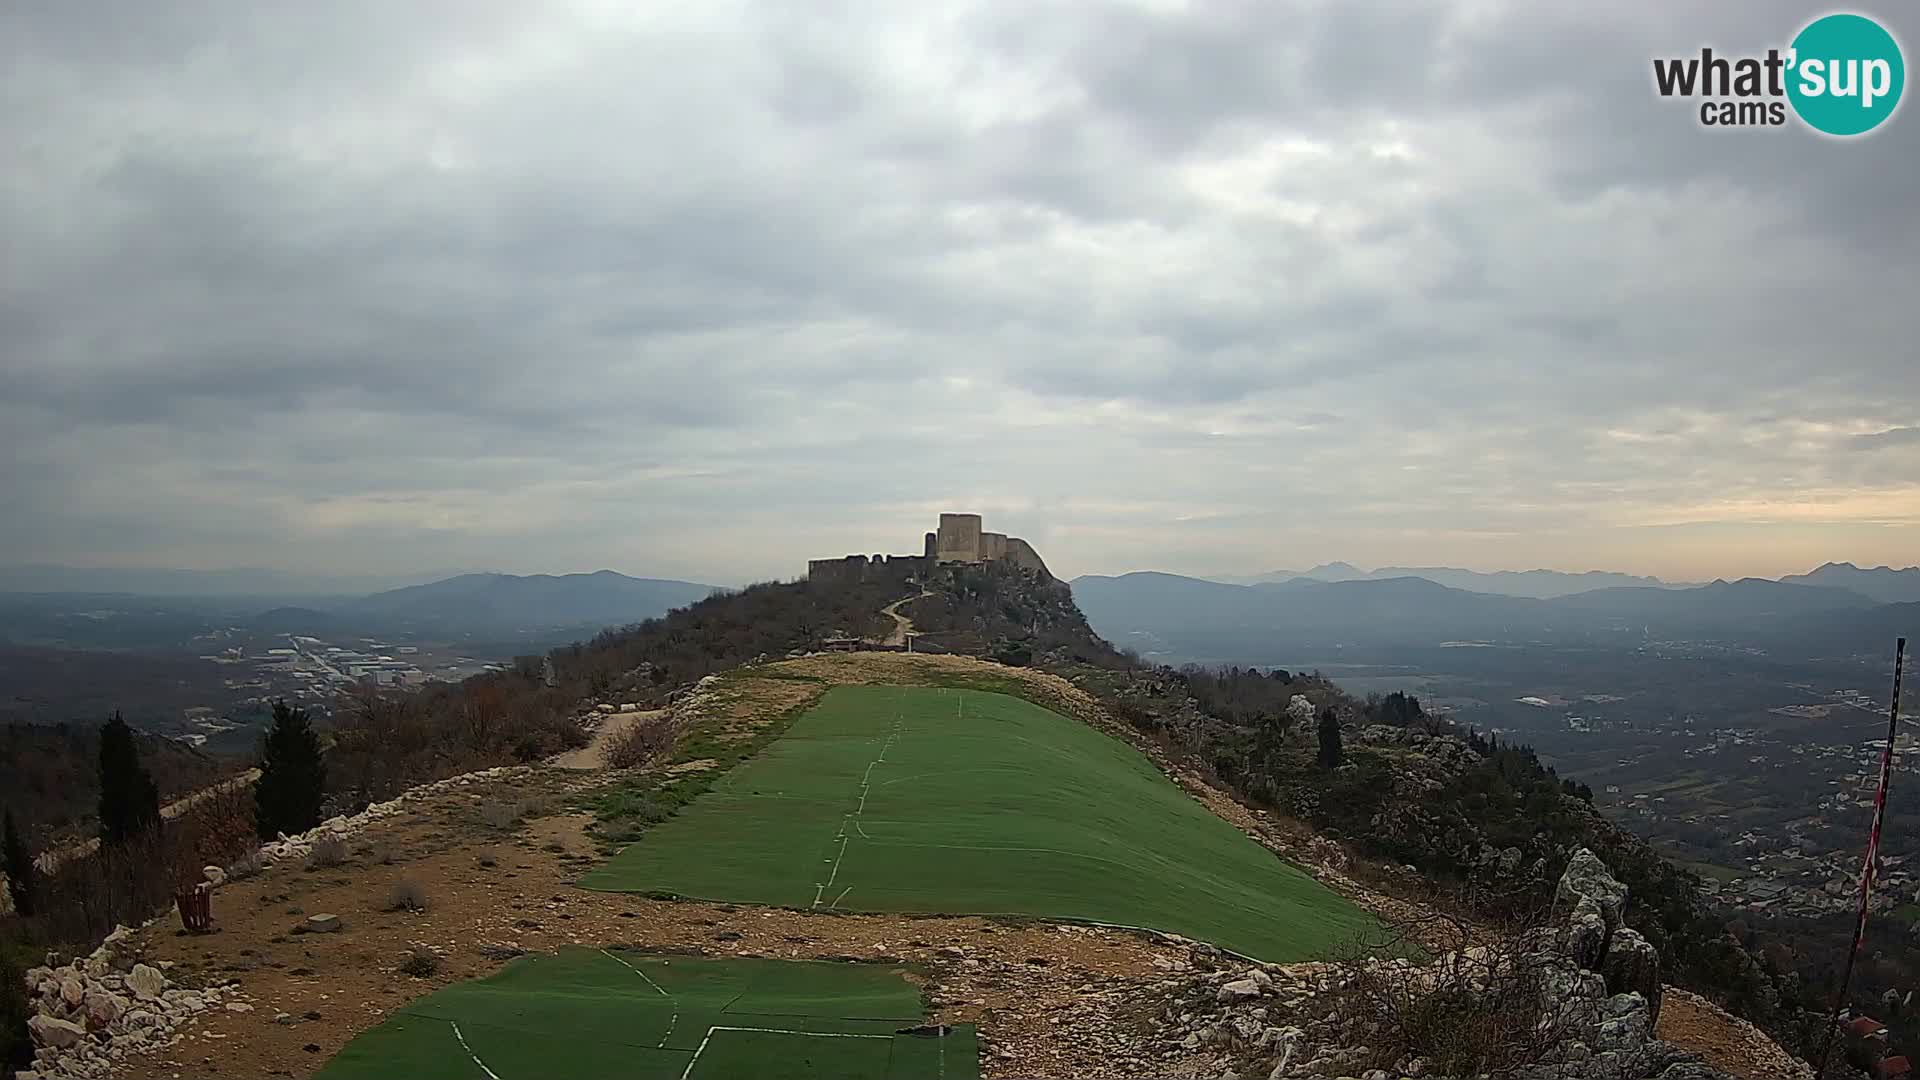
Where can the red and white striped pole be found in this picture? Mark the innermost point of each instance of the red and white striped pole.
(1870, 866)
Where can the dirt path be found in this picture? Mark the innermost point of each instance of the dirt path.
(594, 754)
(902, 626)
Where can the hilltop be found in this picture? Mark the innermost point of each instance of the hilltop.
(1417, 818)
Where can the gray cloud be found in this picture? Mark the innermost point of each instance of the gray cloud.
(1209, 287)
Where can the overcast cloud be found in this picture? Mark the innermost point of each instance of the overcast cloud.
(1219, 287)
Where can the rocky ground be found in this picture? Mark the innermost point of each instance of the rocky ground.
(453, 881)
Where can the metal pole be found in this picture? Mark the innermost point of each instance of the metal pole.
(1868, 868)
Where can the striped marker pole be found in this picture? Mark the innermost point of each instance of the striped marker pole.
(1870, 865)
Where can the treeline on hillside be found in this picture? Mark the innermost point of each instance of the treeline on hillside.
(384, 742)
(49, 774)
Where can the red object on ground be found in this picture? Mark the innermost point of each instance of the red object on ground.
(1893, 1068)
(196, 907)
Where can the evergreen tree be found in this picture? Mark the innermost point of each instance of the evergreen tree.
(129, 799)
(293, 775)
(19, 864)
(1330, 750)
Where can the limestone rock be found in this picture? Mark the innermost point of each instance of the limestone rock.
(48, 1031)
(1632, 965)
(1587, 878)
(1238, 990)
(146, 982)
(323, 924)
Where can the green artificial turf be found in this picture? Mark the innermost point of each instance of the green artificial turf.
(591, 1015)
(957, 801)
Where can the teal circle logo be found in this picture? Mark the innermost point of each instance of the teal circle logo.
(1845, 74)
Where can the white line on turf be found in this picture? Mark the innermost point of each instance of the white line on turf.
(688, 1071)
(837, 899)
(476, 1057)
(671, 1023)
(866, 783)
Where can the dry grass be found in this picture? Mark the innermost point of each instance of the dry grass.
(407, 894)
(640, 743)
(420, 962)
(327, 851)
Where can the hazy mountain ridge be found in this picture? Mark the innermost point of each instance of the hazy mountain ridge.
(1534, 584)
(1882, 583)
(603, 597)
(1411, 609)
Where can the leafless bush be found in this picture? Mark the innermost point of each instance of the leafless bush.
(640, 743)
(249, 864)
(407, 895)
(327, 851)
(420, 962)
(498, 815)
(1484, 1008)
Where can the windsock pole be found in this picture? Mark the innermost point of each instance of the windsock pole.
(1868, 867)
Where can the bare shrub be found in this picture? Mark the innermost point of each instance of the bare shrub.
(1483, 1008)
(488, 860)
(249, 864)
(407, 894)
(497, 815)
(382, 851)
(640, 743)
(420, 962)
(327, 851)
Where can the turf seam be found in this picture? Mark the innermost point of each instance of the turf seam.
(866, 783)
(673, 1021)
(476, 1057)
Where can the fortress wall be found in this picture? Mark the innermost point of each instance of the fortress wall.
(993, 546)
(1020, 553)
(959, 539)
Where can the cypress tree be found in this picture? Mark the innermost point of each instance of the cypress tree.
(293, 775)
(1330, 749)
(19, 863)
(129, 799)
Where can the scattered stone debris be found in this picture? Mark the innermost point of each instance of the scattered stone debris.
(92, 1013)
(1598, 978)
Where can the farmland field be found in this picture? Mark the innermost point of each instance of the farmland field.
(590, 1014)
(914, 799)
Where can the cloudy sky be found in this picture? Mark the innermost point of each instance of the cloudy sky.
(1221, 286)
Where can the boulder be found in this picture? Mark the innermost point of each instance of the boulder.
(1237, 990)
(1632, 965)
(146, 982)
(1588, 879)
(58, 1034)
(103, 1008)
(73, 991)
(323, 924)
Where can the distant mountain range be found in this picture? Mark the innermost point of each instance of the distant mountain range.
(1196, 617)
(1882, 583)
(603, 598)
(1538, 584)
(466, 606)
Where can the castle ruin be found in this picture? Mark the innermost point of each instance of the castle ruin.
(959, 539)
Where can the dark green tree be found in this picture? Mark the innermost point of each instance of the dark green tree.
(293, 775)
(19, 864)
(1330, 749)
(16, 1042)
(129, 799)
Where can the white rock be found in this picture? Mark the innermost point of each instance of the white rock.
(146, 982)
(50, 1032)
